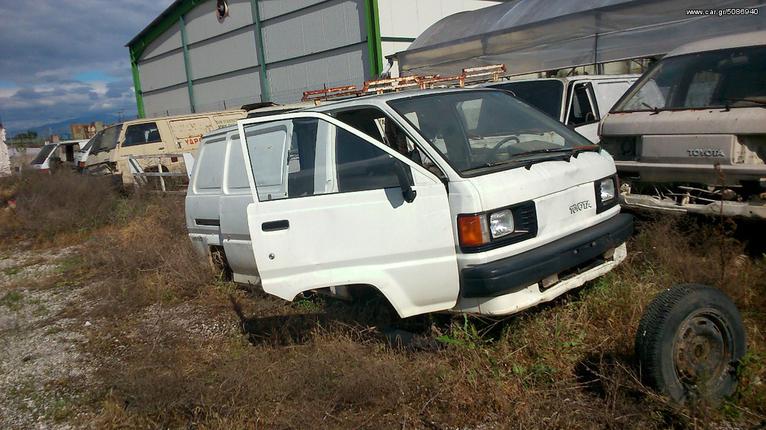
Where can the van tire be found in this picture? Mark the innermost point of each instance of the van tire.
(689, 343)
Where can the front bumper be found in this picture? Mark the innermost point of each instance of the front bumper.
(515, 273)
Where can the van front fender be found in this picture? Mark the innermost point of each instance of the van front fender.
(405, 301)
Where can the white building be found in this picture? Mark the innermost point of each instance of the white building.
(205, 55)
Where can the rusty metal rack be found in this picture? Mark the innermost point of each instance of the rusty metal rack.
(469, 76)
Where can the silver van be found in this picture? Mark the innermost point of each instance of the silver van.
(690, 135)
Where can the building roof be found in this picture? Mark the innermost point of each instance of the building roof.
(722, 42)
(169, 11)
(539, 35)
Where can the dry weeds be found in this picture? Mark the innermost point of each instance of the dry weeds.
(172, 351)
(51, 204)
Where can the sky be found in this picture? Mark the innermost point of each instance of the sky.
(63, 59)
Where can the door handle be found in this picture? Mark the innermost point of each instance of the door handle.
(275, 225)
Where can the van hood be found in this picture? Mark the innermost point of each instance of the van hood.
(544, 178)
(741, 120)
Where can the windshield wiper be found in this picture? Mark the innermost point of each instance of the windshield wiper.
(542, 151)
(574, 151)
(655, 109)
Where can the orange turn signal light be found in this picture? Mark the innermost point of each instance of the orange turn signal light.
(472, 230)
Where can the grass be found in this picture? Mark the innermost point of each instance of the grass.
(11, 271)
(179, 347)
(322, 363)
(12, 300)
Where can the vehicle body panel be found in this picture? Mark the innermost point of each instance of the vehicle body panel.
(406, 250)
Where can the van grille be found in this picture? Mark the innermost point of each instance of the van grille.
(622, 148)
(525, 218)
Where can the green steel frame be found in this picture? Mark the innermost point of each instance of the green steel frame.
(187, 63)
(175, 14)
(137, 84)
(259, 51)
(374, 44)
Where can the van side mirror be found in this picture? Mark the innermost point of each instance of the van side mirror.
(404, 181)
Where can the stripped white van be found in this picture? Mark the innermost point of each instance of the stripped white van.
(463, 200)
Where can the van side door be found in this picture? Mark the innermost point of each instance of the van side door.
(582, 111)
(608, 91)
(329, 209)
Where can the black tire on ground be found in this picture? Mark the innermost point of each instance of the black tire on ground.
(689, 343)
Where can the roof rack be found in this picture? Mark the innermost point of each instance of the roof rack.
(469, 76)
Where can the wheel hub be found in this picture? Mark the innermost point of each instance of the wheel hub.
(702, 350)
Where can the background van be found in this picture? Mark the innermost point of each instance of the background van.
(109, 150)
(64, 152)
(579, 102)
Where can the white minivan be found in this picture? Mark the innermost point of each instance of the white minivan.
(465, 200)
(52, 154)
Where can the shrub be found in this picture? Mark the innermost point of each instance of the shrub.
(147, 256)
(55, 203)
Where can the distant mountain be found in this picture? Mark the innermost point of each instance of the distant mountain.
(62, 127)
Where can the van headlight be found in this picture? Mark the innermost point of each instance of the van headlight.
(606, 193)
(608, 190)
(501, 223)
(491, 229)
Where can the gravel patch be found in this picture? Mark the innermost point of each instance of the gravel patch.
(43, 372)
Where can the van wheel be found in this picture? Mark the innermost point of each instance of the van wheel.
(689, 343)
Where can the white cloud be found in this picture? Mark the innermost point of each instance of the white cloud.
(45, 43)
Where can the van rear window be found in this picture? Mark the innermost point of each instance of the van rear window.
(210, 172)
(236, 178)
(45, 151)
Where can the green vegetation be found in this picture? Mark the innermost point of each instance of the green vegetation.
(12, 300)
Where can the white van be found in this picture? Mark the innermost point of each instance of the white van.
(577, 101)
(464, 200)
(64, 152)
(690, 136)
(109, 150)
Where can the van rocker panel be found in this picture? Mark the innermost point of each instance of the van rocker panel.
(515, 273)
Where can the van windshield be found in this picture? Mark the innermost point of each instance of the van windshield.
(105, 140)
(715, 79)
(544, 94)
(479, 129)
(45, 151)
